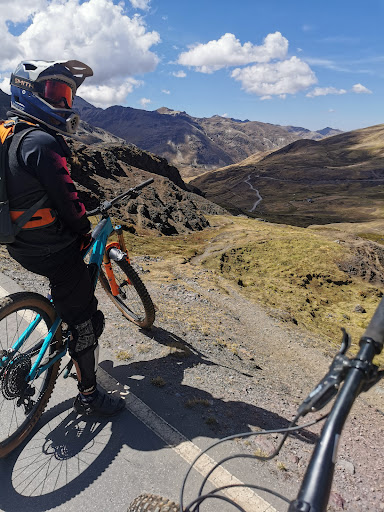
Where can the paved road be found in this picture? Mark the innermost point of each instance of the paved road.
(75, 465)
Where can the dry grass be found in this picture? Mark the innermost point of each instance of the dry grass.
(193, 402)
(144, 348)
(124, 355)
(295, 272)
(158, 382)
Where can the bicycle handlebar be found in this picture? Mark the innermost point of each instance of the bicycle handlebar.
(375, 329)
(106, 205)
(360, 374)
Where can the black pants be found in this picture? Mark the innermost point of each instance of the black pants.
(74, 299)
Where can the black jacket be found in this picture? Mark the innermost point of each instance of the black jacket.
(38, 166)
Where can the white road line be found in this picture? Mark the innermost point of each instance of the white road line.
(246, 498)
(3, 292)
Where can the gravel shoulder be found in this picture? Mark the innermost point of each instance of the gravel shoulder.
(215, 364)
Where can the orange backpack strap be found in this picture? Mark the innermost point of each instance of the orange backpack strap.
(41, 217)
(11, 222)
(6, 129)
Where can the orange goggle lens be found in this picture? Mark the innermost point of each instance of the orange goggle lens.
(55, 92)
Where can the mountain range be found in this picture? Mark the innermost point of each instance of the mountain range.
(337, 179)
(194, 145)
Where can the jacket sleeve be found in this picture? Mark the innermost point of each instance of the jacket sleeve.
(43, 157)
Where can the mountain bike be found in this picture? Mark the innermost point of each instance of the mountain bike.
(345, 380)
(33, 338)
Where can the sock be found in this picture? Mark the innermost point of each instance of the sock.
(90, 397)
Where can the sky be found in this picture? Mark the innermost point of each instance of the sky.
(303, 63)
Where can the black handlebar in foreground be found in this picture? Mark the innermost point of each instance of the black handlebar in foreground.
(375, 329)
(360, 374)
(106, 205)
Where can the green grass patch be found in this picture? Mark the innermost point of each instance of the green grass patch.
(373, 237)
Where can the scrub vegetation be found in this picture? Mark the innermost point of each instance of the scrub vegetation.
(319, 279)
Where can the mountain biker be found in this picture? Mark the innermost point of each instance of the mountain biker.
(42, 94)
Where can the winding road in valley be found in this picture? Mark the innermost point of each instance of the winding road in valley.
(259, 198)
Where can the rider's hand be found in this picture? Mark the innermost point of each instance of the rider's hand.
(85, 241)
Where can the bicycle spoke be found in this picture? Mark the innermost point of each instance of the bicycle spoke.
(24, 323)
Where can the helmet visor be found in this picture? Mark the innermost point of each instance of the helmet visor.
(55, 92)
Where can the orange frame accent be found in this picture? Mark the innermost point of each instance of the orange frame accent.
(109, 270)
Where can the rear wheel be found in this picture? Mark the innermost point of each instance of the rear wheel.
(22, 402)
(133, 299)
(152, 503)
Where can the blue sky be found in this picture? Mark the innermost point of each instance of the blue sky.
(304, 63)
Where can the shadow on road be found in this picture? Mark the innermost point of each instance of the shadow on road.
(65, 453)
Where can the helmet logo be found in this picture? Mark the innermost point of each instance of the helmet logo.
(23, 83)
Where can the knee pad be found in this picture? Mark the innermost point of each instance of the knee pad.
(86, 334)
(83, 336)
(98, 323)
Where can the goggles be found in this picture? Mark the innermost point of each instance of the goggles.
(55, 92)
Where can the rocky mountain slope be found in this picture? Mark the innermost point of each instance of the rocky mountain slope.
(4, 104)
(193, 144)
(102, 171)
(338, 179)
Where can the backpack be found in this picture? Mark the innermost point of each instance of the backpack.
(10, 228)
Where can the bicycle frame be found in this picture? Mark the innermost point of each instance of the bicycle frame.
(101, 254)
(98, 256)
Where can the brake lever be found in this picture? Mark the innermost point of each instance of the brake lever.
(329, 385)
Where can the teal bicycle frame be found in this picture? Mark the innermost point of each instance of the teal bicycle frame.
(99, 242)
(98, 245)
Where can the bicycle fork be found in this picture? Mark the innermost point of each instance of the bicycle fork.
(115, 251)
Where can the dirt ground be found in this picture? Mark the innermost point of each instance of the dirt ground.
(226, 363)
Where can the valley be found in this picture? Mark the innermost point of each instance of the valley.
(338, 179)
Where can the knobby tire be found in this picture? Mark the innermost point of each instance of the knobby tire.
(11, 311)
(152, 503)
(137, 306)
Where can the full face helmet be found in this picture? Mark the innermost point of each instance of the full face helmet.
(44, 91)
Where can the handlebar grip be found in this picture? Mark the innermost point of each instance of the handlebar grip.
(144, 184)
(375, 329)
(92, 212)
(106, 205)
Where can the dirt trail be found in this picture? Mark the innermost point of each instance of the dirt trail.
(224, 362)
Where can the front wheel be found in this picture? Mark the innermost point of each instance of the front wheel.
(152, 503)
(23, 402)
(133, 299)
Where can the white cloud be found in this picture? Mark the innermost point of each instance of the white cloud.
(14, 12)
(5, 85)
(141, 4)
(228, 51)
(324, 91)
(108, 94)
(331, 110)
(326, 63)
(165, 91)
(277, 78)
(360, 89)
(18, 11)
(179, 74)
(96, 32)
(144, 102)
